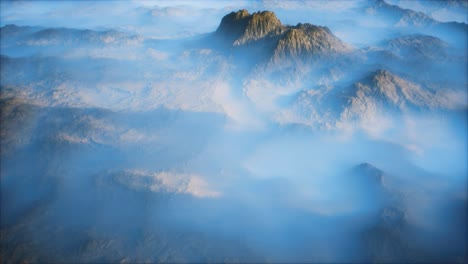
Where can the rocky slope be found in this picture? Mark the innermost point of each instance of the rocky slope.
(384, 88)
(407, 18)
(418, 46)
(379, 92)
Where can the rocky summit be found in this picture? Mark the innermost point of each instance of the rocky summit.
(306, 39)
(264, 29)
(239, 28)
(386, 88)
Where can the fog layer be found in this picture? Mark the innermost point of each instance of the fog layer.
(317, 131)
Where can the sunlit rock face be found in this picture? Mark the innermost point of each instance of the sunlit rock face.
(306, 39)
(386, 90)
(244, 28)
(246, 132)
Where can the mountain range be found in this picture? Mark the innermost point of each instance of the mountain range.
(333, 140)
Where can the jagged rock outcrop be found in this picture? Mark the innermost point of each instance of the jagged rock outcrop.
(306, 39)
(239, 28)
(281, 42)
(242, 28)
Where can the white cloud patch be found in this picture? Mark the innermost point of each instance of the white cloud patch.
(239, 110)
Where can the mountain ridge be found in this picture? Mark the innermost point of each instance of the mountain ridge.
(42, 36)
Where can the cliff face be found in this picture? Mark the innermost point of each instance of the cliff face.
(259, 25)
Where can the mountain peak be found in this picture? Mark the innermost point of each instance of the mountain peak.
(382, 73)
(384, 80)
(264, 33)
(387, 88)
(307, 39)
(234, 16)
(241, 27)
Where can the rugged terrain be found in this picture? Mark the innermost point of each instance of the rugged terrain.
(333, 137)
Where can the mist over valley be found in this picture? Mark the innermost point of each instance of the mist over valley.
(249, 131)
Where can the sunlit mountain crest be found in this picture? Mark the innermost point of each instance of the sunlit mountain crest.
(241, 27)
(264, 29)
(388, 89)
